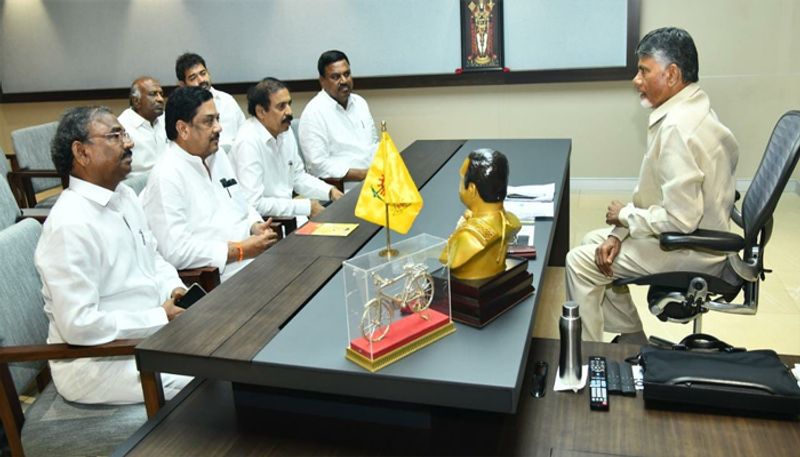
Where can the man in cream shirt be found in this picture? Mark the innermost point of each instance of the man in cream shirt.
(266, 159)
(144, 122)
(102, 276)
(192, 201)
(686, 182)
(337, 133)
(191, 71)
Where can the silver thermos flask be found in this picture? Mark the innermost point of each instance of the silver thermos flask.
(569, 361)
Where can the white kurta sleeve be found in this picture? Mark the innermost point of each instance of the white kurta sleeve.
(304, 184)
(374, 131)
(682, 203)
(316, 149)
(167, 210)
(72, 265)
(249, 168)
(168, 278)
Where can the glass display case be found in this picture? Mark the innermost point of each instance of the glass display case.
(397, 305)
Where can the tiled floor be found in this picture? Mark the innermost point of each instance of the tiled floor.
(775, 326)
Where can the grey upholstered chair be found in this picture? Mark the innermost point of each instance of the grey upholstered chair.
(53, 426)
(9, 210)
(32, 153)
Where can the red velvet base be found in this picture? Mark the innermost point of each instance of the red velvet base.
(401, 332)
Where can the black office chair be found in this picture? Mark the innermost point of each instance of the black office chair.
(683, 296)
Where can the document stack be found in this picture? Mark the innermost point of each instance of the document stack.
(530, 201)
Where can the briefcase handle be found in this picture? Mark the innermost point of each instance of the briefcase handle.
(705, 342)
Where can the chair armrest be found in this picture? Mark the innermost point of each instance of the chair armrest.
(335, 182)
(207, 277)
(283, 225)
(709, 240)
(35, 352)
(22, 186)
(29, 173)
(10, 407)
(40, 214)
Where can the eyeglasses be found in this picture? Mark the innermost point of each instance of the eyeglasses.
(117, 137)
(208, 121)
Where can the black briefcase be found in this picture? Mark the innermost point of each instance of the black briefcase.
(719, 377)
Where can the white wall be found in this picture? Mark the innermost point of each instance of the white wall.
(120, 39)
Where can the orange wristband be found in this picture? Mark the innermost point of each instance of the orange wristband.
(241, 251)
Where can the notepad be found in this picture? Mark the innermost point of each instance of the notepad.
(326, 229)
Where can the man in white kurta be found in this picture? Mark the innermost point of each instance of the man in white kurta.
(144, 122)
(337, 133)
(193, 203)
(686, 182)
(103, 278)
(191, 71)
(266, 159)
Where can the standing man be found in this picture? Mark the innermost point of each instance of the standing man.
(102, 276)
(686, 183)
(144, 122)
(266, 159)
(337, 133)
(191, 70)
(192, 201)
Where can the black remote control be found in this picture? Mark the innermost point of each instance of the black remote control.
(614, 387)
(626, 380)
(598, 388)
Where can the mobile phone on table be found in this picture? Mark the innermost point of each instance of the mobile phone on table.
(195, 292)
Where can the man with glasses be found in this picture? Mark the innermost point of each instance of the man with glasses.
(193, 203)
(102, 276)
(337, 132)
(144, 121)
(191, 71)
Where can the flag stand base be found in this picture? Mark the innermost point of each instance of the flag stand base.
(388, 253)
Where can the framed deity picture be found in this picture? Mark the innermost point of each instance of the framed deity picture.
(481, 35)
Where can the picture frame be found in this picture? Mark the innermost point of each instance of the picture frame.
(481, 35)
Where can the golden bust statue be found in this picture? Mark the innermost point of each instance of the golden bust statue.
(477, 247)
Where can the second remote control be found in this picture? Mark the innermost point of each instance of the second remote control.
(598, 384)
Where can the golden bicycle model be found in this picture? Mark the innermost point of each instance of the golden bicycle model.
(415, 296)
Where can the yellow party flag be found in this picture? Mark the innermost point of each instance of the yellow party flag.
(388, 182)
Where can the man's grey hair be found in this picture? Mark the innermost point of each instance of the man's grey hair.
(73, 126)
(671, 45)
(135, 92)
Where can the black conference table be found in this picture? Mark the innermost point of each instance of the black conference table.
(277, 330)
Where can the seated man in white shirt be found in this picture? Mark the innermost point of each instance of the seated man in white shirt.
(191, 70)
(337, 133)
(144, 122)
(193, 204)
(266, 159)
(102, 276)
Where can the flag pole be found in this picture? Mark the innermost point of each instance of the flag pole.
(388, 252)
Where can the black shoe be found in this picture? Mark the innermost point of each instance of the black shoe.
(635, 338)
